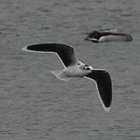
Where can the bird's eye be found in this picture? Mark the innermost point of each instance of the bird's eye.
(86, 67)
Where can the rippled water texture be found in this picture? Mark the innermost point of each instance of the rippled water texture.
(34, 105)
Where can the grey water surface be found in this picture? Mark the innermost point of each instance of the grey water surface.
(35, 105)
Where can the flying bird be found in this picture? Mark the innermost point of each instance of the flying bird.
(74, 68)
(108, 35)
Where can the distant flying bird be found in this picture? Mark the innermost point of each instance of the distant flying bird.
(108, 35)
(74, 68)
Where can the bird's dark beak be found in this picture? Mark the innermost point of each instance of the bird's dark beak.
(86, 38)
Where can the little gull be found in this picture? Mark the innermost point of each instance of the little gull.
(108, 35)
(74, 68)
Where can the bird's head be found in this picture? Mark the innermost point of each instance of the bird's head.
(85, 67)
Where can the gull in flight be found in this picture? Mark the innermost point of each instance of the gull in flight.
(74, 68)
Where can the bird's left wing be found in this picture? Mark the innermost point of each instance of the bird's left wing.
(104, 86)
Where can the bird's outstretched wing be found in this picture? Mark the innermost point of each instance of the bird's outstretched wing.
(65, 52)
(104, 86)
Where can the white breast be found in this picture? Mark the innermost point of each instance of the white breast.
(75, 71)
(112, 38)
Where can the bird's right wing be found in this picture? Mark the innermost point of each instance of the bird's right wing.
(65, 52)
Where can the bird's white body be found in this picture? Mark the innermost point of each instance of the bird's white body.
(113, 38)
(72, 71)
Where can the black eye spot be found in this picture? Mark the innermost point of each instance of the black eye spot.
(86, 67)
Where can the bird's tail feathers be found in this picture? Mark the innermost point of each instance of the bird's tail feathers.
(60, 75)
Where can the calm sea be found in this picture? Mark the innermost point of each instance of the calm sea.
(35, 105)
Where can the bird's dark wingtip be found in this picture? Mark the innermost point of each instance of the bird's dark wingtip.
(104, 87)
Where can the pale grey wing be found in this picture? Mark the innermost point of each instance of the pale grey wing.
(65, 52)
(104, 85)
(112, 33)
